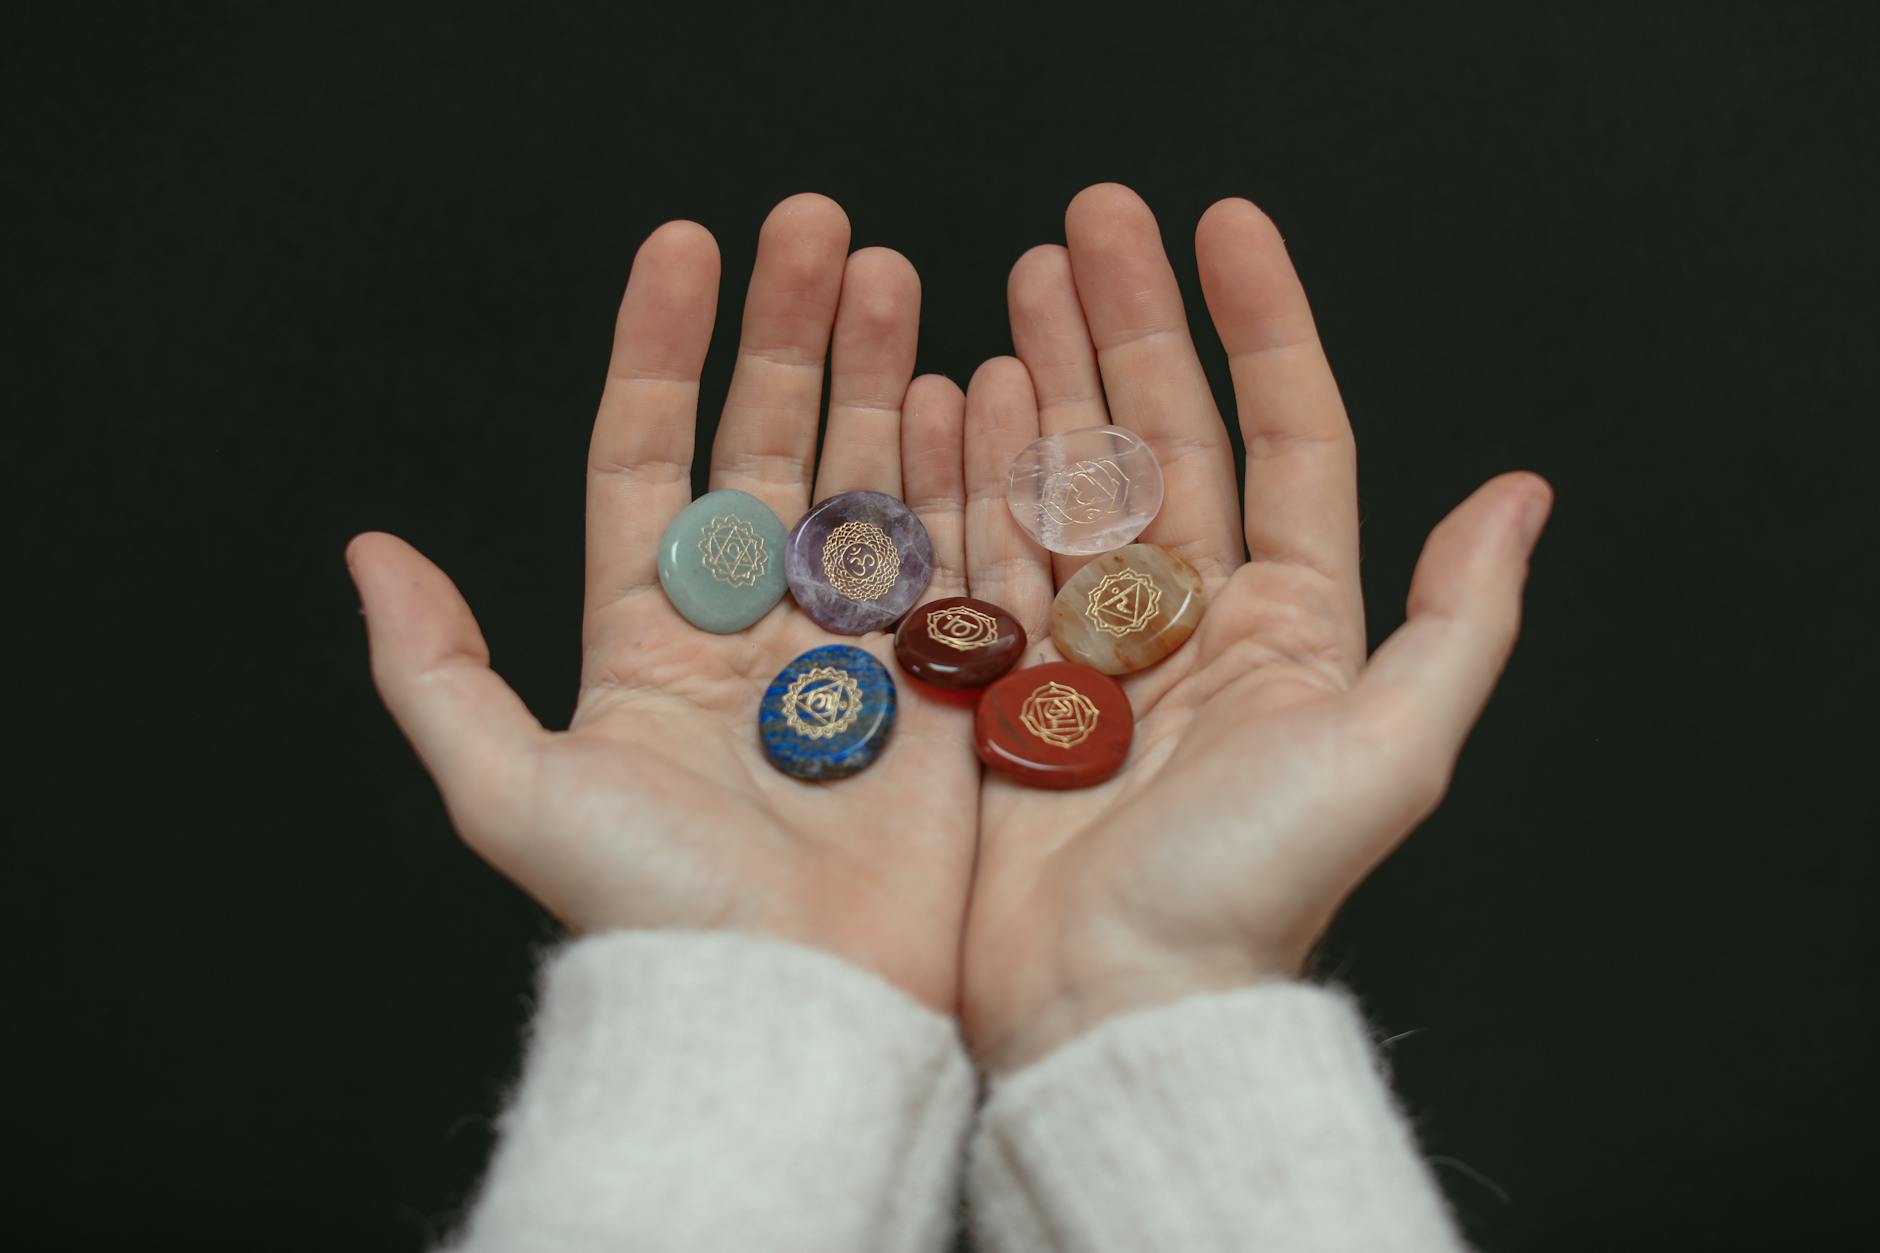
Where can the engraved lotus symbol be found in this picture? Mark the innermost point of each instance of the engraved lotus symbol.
(962, 627)
(860, 561)
(822, 702)
(1059, 714)
(1123, 602)
(733, 551)
(1084, 491)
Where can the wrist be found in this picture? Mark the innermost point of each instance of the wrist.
(1087, 995)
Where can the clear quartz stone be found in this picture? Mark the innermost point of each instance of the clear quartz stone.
(1085, 491)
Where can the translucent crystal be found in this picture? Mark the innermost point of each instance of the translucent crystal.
(1085, 491)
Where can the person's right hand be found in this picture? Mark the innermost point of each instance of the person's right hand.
(656, 807)
(1274, 763)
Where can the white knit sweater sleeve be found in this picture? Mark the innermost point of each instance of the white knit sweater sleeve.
(1255, 1119)
(698, 1092)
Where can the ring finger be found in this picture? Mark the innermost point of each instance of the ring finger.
(877, 327)
(1050, 337)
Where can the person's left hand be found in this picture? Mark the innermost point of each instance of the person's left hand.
(656, 807)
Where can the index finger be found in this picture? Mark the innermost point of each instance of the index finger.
(640, 457)
(1302, 478)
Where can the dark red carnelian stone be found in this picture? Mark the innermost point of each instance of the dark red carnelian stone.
(1059, 725)
(959, 642)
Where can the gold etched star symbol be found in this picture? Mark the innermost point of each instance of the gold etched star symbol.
(732, 551)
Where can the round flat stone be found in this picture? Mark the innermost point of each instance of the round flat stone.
(827, 714)
(1127, 610)
(857, 562)
(1085, 491)
(958, 642)
(721, 561)
(1057, 725)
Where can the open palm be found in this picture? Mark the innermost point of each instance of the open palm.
(1273, 765)
(656, 808)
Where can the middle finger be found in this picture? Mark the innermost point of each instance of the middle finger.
(1152, 376)
(768, 433)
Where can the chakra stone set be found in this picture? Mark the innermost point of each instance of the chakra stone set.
(858, 562)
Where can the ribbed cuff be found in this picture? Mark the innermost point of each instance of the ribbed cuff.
(1254, 1119)
(705, 1091)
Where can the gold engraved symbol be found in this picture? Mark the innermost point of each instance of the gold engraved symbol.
(860, 560)
(1084, 491)
(733, 551)
(1123, 602)
(1059, 715)
(822, 702)
(962, 627)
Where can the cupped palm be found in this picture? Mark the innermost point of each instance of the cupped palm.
(1273, 764)
(656, 808)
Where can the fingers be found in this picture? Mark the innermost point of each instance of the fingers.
(877, 327)
(432, 669)
(1302, 491)
(1002, 564)
(932, 453)
(1049, 336)
(768, 433)
(640, 456)
(1151, 375)
(1427, 685)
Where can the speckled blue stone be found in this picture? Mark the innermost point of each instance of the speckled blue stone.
(801, 735)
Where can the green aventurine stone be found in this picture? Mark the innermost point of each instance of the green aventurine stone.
(721, 561)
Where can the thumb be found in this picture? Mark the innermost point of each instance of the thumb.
(432, 669)
(1426, 686)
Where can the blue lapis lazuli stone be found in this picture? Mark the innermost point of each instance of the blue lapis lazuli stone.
(827, 714)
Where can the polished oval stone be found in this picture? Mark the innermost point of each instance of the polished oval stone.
(1057, 725)
(1085, 491)
(958, 642)
(857, 562)
(827, 714)
(1127, 610)
(721, 561)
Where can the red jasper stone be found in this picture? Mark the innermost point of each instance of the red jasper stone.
(959, 642)
(1059, 725)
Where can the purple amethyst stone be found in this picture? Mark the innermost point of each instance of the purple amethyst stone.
(857, 562)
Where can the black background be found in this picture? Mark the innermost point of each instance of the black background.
(282, 278)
